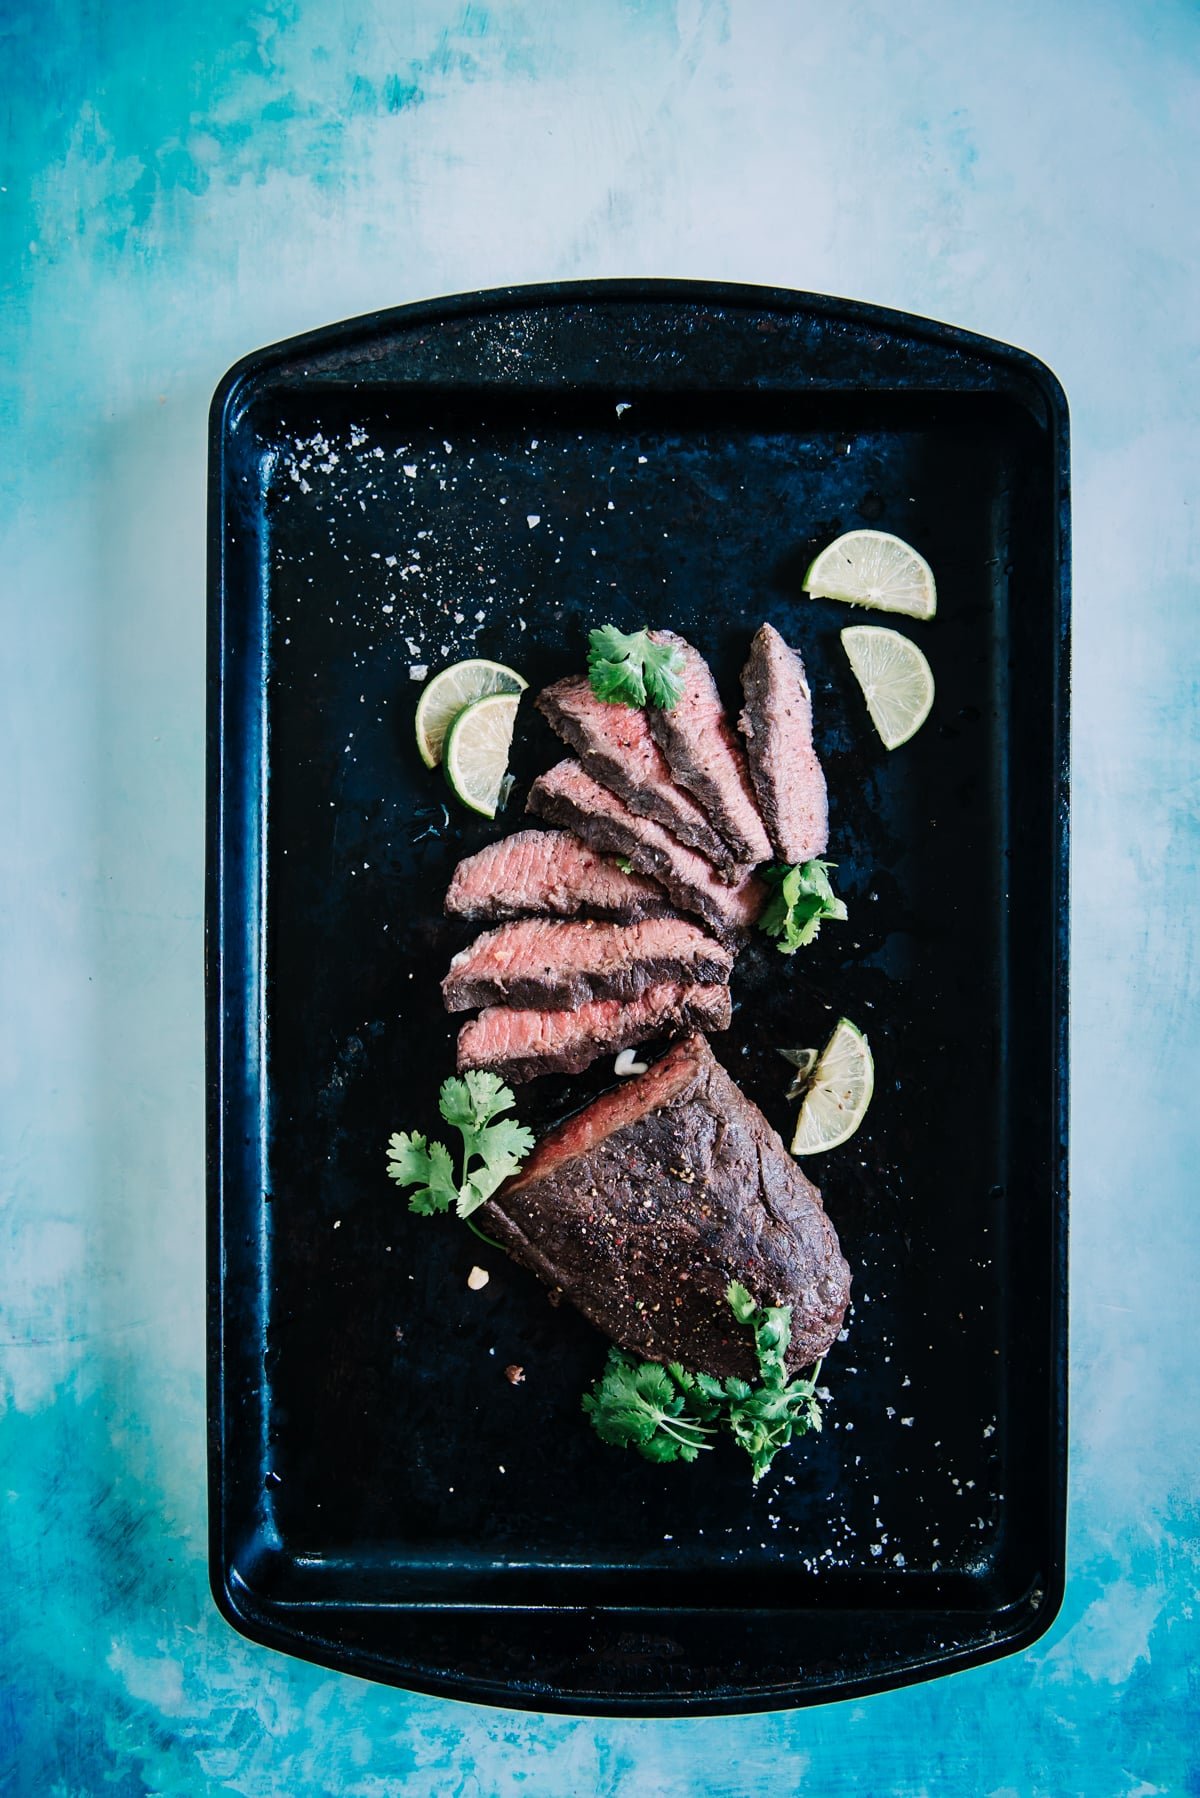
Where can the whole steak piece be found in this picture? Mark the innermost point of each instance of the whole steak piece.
(777, 724)
(642, 1207)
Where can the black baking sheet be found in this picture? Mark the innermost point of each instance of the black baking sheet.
(494, 474)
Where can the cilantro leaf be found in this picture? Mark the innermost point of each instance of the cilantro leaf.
(740, 1302)
(469, 1105)
(628, 668)
(412, 1162)
(802, 896)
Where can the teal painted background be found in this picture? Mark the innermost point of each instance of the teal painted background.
(180, 185)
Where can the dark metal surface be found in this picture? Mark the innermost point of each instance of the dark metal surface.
(493, 474)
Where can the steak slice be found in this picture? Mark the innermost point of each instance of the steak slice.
(706, 757)
(568, 795)
(616, 747)
(777, 725)
(552, 873)
(519, 1045)
(557, 964)
(642, 1207)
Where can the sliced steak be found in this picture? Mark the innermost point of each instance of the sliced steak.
(616, 747)
(643, 1206)
(706, 757)
(777, 725)
(549, 873)
(519, 1045)
(556, 964)
(568, 795)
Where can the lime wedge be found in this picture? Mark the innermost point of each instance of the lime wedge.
(873, 568)
(896, 680)
(838, 1093)
(476, 750)
(447, 693)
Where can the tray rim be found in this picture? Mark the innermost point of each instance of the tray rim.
(237, 1603)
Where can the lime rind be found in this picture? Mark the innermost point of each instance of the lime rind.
(896, 680)
(475, 758)
(838, 1093)
(446, 695)
(876, 569)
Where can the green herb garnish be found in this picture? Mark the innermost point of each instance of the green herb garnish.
(666, 1413)
(629, 669)
(802, 896)
(766, 1418)
(469, 1105)
(638, 1404)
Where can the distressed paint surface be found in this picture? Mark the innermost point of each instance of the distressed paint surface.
(182, 184)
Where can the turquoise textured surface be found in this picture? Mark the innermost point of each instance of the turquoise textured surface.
(182, 185)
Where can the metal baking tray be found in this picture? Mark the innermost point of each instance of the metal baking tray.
(493, 474)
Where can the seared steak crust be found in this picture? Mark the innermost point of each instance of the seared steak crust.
(777, 725)
(644, 1206)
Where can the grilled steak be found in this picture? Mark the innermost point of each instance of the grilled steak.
(615, 746)
(644, 1206)
(519, 1045)
(777, 725)
(555, 964)
(706, 757)
(550, 873)
(568, 795)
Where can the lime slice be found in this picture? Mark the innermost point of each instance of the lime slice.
(447, 693)
(873, 568)
(476, 750)
(839, 1091)
(896, 680)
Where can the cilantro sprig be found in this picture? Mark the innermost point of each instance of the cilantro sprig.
(627, 668)
(638, 1404)
(471, 1105)
(764, 1418)
(800, 899)
(666, 1413)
